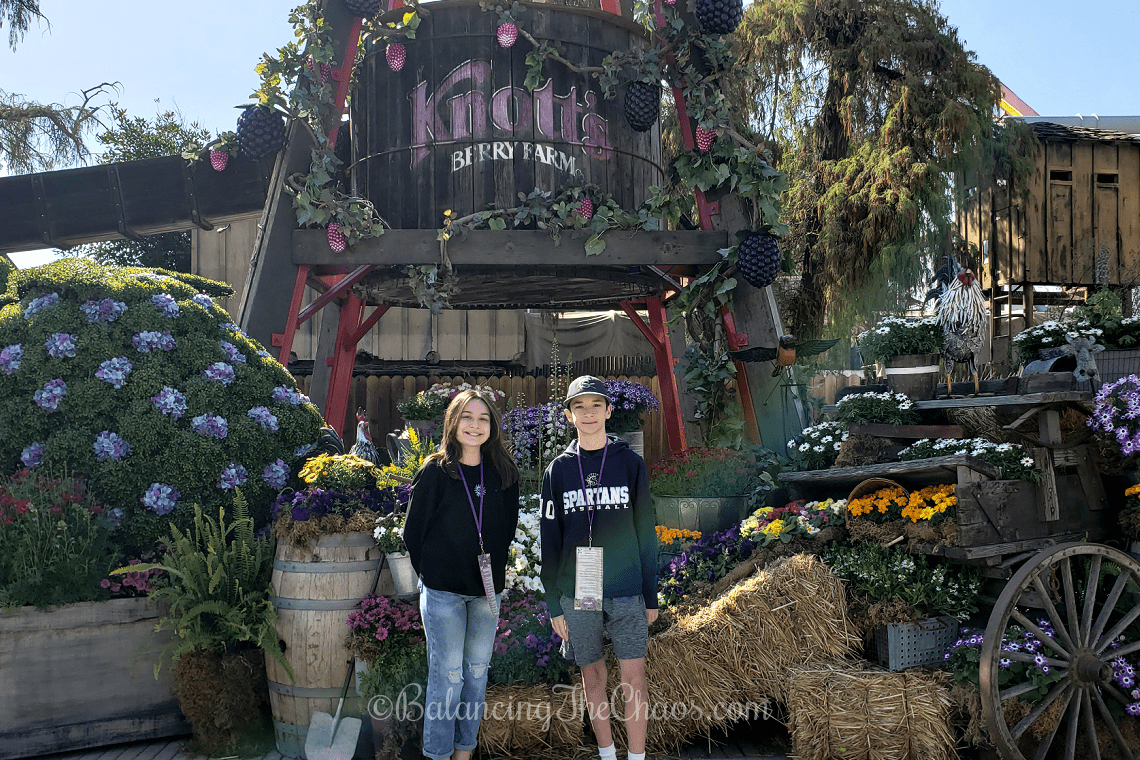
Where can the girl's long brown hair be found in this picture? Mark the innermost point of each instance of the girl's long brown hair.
(494, 448)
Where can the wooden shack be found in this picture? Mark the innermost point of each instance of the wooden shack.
(1078, 224)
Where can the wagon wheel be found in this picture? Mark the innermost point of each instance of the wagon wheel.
(1077, 599)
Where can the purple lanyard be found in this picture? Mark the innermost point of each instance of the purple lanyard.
(586, 491)
(478, 517)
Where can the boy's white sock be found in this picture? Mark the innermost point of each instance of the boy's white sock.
(608, 753)
(635, 755)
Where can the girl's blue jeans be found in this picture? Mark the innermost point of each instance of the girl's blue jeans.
(460, 634)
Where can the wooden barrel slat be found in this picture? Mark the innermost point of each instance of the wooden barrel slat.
(315, 589)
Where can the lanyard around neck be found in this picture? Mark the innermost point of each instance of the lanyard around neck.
(586, 491)
(482, 492)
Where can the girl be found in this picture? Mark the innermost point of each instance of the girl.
(461, 521)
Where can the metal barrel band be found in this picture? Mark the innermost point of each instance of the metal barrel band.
(319, 605)
(326, 567)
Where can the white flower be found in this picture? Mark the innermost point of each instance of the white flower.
(817, 449)
(1027, 462)
(1005, 447)
(826, 439)
(805, 447)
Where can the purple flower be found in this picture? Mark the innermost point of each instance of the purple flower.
(60, 345)
(210, 425)
(39, 304)
(114, 371)
(170, 401)
(232, 476)
(153, 340)
(232, 352)
(1004, 662)
(300, 513)
(53, 392)
(285, 393)
(11, 357)
(1039, 660)
(263, 417)
(264, 354)
(165, 304)
(219, 372)
(161, 498)
(103, 312)
(111, 446)
(33, 455)
(203, 300)
(276, 474)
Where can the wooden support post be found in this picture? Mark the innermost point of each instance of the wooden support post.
(737, 341)
(343, 360)
(657, 333)
(285, 340)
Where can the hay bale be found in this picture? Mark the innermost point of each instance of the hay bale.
(517, 718)
(569, 711)
(856, 712)
(861, 450)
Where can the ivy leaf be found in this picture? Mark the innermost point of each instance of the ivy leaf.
(595, 245)
(497, 224)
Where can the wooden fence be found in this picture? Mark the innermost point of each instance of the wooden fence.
(379, 394)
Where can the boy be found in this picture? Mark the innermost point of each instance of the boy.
(599, 560)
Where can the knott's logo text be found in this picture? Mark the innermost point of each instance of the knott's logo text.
(455, 112)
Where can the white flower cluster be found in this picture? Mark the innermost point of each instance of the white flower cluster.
(1053, 332)
(884, 325)
(819, 438)
(524, 558)
(969, 446)
(901, 399)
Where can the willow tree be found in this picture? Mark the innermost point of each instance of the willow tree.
(869, 105)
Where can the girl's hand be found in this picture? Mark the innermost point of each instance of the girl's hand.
(559, 626)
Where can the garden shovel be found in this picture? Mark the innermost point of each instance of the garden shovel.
(333, 738)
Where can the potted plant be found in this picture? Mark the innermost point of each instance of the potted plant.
(389, 534)
(387, 638)
(630, 400)
(817, 446)
(703, 490)
(907, 351)
(424, 411)
(887, 408)
(216, 583)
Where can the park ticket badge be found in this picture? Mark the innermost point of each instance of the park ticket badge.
(488, 582)
(588, 579)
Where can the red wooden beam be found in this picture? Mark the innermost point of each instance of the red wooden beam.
(285, 340)
(657, 334)
(343, 360)
(366, 325)
(336, 291)
(343, 78)
(737, 341)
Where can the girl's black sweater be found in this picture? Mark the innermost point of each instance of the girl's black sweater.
(440, 529)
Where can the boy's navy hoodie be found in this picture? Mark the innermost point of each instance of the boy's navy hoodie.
(624, 523)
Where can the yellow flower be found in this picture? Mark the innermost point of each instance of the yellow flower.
(1133, 490)
(774, 528)
(669, 535)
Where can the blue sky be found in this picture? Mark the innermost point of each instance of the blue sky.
(1060, 58)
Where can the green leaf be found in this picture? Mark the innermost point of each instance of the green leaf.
(595, 245)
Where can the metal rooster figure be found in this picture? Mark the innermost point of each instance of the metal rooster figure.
(963, 316)
(364, 448)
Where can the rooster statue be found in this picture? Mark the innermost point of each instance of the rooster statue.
(963, 316)
(364, 448)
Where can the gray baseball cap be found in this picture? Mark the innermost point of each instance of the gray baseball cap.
(586, 385)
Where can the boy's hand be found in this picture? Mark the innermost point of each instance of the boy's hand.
(650, 616)
(559, 626)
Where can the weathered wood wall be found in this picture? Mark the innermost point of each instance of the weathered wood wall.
(379, 394)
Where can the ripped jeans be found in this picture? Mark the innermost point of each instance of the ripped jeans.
(460, 632)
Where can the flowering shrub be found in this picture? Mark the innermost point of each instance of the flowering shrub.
(524, 558)
(1054, 334)
(706, 561)
(629, 400)
(315, 503)
(1013, 458)
(1116, 414)
(899, 336)
(54, 546)
(887, 573)
(799, 518)
(388, 635)
(816, 447)
(526, 648)
(880, 506)
(389, 533)
(75, 322)
(432, 403)
(537, 434)
(704, 473)
(132, 584)
(674, 538)
(876, 408)
(339, 472)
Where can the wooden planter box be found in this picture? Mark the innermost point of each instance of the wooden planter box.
(82, 675)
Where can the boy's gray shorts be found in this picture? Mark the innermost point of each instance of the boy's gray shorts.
(623, 618)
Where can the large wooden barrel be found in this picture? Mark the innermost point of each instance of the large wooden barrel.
(315, 589)
(457, 129)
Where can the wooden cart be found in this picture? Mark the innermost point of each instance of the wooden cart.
(1075, 595)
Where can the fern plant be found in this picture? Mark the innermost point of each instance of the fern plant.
(420, 447)
(217, 586)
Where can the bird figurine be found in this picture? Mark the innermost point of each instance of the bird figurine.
(963, 317)
(364, 448)
(785, 354)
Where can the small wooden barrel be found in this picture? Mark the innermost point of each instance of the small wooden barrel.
(915, 375)
(315, 589)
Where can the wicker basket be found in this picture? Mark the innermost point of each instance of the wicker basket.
(870, 485)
